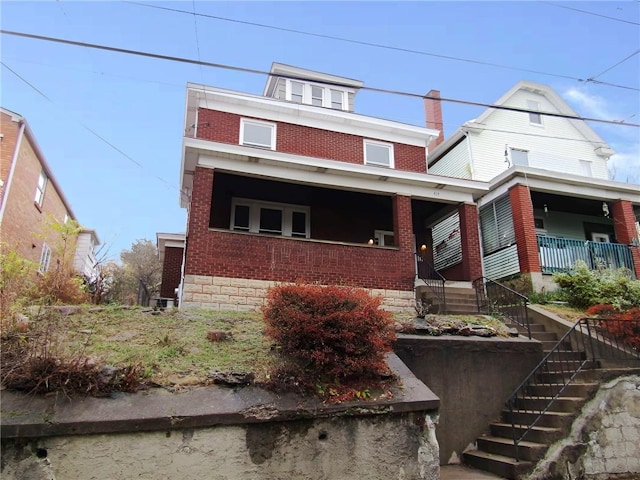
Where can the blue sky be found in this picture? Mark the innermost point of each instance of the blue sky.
(137, 104)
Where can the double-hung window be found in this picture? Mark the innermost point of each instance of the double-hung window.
(316, 94)
(257, 134)
(42, 183)
(337, 100)
(270, 218)
(297, 92)
(45, 258)
(377, 153)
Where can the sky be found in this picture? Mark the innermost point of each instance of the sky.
(110, 125)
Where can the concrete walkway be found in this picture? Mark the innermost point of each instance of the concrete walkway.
(461, 472)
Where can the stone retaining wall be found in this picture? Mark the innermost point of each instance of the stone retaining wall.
(241, 294)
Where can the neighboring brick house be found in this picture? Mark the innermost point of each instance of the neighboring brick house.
(551, 201)
(293, 185)
(30, 196)
(171, 252)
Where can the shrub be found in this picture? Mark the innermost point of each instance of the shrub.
(15, 280)
(623, 325)
(331, 338)
(583, 287)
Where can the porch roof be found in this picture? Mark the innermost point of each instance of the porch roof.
(562, 184)
(320, 171)
(164, 240)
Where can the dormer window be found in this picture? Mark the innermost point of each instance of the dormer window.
(534, 118)
(316, 95)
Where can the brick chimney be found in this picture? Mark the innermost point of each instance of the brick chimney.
(433, 113)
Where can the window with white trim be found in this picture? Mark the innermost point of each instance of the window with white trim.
(257, 134)
(519, 157)
(316, 94)
(384, 238)
(270, 218)
(379, 154)
(534, 118)
(585, 168)
(337, 100)
(45, 258)
(296, 91)
(42, 184)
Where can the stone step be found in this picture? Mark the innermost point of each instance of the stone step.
(535, 327)
(530, 451)
(567, 355)
(548, 419)
(571, 390)
(568, 366)
(560, 404)
(500, 465)
(537, 434)
(545, 336)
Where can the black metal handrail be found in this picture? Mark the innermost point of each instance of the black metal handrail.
(493, 298)
(434, 280)
(589, 342)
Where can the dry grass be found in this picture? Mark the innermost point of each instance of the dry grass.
(564, 311)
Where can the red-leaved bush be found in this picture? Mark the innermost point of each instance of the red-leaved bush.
(329, 335)
(623, 325)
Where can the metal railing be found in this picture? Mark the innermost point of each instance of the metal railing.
(561, 254)
(434, 280)
(591, 341)
(493, 298)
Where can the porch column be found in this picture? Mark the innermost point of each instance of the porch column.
(199, 215)
(525, 229)
(470, 239)
(403, 233)
(624, 224)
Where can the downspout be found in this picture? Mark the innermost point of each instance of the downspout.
(14, 160)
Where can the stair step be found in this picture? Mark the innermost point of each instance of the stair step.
(545, 336)
(560, 404)
(535, 327)
(568, 367)
(500, 465)
(537, 434)
(530, 451)
(548, 419)
(571, 390)
(566, 355)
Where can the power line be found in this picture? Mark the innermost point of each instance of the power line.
(591, 13)
(92, 131)
(376, 45)
(614, 66)
(263, 72)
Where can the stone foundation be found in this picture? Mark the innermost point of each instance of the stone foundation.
(242, 294)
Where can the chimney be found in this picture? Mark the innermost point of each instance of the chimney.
(433, 113)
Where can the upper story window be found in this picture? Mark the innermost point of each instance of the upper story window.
(45, 258)
(378, 153)
(270, 218)
(519, 157)
(534, 118)
(42, 183)
(585, 168)
(257, 134)
(315, 94)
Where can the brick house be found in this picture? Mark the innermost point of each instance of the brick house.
(170, 252)
(294, 185)
(31, 198)
(551, 201)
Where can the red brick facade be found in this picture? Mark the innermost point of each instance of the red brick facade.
(524, 227)
(625, 229)
(24, 222)
(259, 257)
(171, 271)
(470, 239)
(307, 141)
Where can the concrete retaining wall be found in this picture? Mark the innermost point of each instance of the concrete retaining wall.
(473, 377)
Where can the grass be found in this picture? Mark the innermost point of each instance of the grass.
(171, 346)
(571, 314)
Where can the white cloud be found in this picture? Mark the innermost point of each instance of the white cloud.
(589, 105)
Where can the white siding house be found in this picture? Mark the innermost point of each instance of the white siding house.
(85, 257)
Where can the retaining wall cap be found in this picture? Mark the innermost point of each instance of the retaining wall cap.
(25, 416)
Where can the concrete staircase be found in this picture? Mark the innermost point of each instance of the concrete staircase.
(460, 298)
(496, 452)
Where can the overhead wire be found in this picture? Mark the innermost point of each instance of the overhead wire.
(376, 45)
(590, 79)
(293, 77)
(591, 13)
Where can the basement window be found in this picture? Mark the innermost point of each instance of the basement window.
(269, 218)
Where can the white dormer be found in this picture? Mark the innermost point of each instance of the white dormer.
(307, 87)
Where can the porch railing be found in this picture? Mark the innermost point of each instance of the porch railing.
(561, 254)
(434, 280)
(493, 298)
(593, 342)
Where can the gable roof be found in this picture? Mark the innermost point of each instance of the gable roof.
(540, 89)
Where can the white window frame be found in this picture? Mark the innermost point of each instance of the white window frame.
(534, 118)
(585, 168)
(521, 150)
(247, 121)
(379, 235)
(287, 216)
(45, 258)
(40, 188)
(307, 94)
(376, 143)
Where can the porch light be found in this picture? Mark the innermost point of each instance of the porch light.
(423, 248)
(605, 209)
(370, 242)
